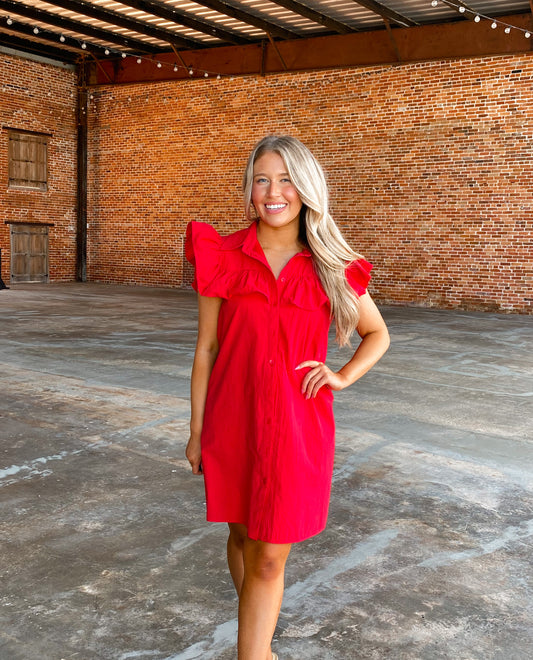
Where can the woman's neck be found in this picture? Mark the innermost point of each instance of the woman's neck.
(278, 238)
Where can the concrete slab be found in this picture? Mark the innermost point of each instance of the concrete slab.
(105, 552)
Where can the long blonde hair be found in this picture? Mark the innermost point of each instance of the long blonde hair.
(331, 253)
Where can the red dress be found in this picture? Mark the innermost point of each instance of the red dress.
(267, 451)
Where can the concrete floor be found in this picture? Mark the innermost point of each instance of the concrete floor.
(105, 553)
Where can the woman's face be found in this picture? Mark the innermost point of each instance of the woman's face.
(274, 197)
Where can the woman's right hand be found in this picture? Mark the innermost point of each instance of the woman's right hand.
(194, 454)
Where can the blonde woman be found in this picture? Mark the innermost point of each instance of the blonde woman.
(262, 427)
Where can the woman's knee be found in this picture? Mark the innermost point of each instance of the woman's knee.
(265, 561)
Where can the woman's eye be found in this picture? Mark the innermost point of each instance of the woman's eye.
(261, 180)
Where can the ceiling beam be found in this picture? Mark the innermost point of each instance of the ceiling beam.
(37, 48)
(180, 18)
(76, 26)
(70, 44)
(267, 27)
(457, 39)
(116, 18)
(315, 16)
(385, 12)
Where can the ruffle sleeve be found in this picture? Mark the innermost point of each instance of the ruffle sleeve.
(202, 249)
(358, 275)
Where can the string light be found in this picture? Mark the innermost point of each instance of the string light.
(139, 58)
(477, 17)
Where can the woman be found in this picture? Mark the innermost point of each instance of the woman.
(262, 428)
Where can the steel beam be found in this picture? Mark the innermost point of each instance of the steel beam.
(116, 18)
(385, 12)
(427, 42)
(315, 16)
(37, 48)
(86, 29)
(69, 45)
(82, 158)
(180, 18)
(250, 19)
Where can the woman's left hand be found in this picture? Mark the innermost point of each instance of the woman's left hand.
(320, 375)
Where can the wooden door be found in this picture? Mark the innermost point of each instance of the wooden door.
(29, 253)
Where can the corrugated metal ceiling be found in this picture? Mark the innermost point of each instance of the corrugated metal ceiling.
(68, 28)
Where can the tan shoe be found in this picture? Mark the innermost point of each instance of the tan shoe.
(274, 656)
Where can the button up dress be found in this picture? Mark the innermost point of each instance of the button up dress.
(267, 451)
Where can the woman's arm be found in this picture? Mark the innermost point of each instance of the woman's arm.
(374, 342)
(204, 359)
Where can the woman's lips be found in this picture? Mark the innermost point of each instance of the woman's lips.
(275, 208)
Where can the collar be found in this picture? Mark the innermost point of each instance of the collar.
(247, 240)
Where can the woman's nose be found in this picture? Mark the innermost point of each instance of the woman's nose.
(274, 188)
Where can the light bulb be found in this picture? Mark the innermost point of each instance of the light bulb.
(175, 67)
(35, 30)
(527, 35)
(9, 21)
(139, 60)
(106, 51)
(477, 19)
(191, 72)
(507, 30)
(123, 55)
(62, 39)
(159, 65)
(84, 46)
(494, 25)
(435, 3)
(462, 9)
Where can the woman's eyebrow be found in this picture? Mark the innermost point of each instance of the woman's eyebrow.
(279, 174)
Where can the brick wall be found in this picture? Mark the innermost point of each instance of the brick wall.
(429, 164)
(40, 97)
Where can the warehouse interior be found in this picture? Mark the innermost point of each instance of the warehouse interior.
(120, 122)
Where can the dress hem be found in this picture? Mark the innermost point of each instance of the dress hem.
(255, 537)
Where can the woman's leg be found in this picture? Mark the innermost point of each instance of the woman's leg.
(237, 534)
(260, 597)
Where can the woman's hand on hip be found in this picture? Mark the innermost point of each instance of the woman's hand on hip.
(320, 375)
(194, 454)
